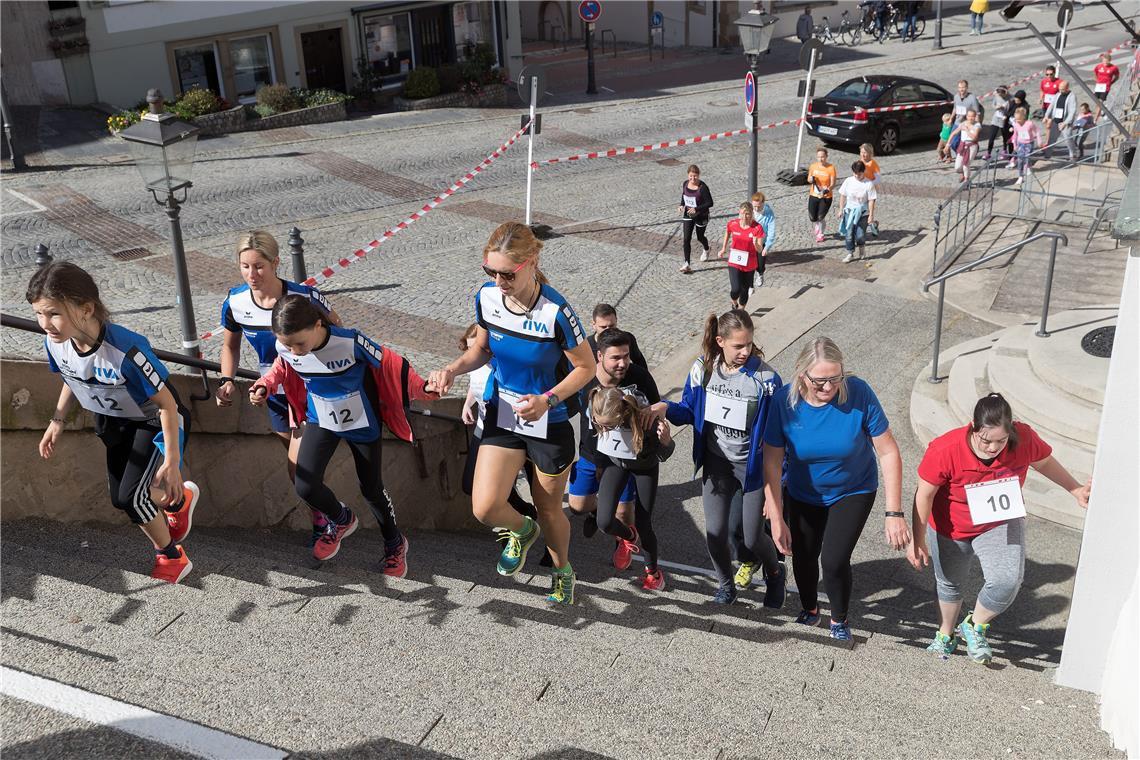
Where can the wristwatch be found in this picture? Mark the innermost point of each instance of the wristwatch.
(551, 399)
(224, 379)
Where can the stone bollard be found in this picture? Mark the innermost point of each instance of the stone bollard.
(297, 254)
(43, 258)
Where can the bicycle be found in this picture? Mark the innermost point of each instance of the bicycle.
(823, 32)
(919, 26)
(850, 31)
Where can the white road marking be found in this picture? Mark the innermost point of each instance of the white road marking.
(38, 207)
(1038, 53)
(122, 716)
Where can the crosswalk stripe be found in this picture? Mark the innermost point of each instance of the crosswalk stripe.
(1038, 54)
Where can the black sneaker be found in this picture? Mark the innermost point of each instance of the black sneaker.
(590, 525)
(775, 589)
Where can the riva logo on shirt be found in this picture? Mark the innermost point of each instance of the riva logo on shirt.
(539, 327)
(106, 373)
(339, 363)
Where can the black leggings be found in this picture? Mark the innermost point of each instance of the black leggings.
(818, 208)
(995, 132)
(721, 482)
(699, 224)
(611, 481)
(739, 282)
(828, 534)
(317, 447)
(132, 461)
(515, 499)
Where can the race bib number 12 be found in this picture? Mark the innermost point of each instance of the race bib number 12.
(507, 419)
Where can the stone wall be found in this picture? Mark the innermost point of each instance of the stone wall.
(237, 119)
(232, 455)
(492, 95)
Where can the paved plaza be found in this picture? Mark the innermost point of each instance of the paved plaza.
(454, 661)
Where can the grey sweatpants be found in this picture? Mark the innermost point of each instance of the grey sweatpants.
(721, 481)
(1001, 552)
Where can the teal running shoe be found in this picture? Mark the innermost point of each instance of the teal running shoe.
(513, 556)
(974, 634)
(562, 587)
(943, 645)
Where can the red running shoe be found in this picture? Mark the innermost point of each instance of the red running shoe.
(396, 563)
(180, 521)
(171, 570)
(654, 581)
(328, 545)
(625, 549)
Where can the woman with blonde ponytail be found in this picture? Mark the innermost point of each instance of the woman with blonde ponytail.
(625, 448)
(726, 400)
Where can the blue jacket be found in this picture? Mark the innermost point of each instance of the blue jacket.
(767, 221)
(690, 410)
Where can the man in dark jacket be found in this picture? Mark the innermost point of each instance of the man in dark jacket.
(805, 25)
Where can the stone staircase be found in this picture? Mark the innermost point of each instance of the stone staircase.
(1051, 383)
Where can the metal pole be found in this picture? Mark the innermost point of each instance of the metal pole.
(1074, 78)
(803, 111)
(18, 162)
(43, 258)
(182, 279)
(297, 255)
(934, 378)
(753, 147)
(530, 145)
(1061, 46)
(591, 87)
(938, 24)
(1043, 328)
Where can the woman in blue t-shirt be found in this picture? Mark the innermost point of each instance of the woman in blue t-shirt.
(824, 430)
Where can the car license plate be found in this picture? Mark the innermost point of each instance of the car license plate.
(828, 131)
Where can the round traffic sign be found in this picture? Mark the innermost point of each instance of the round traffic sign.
(749, 93)
(527, 73)
(657, 19)
(589, 10)
(806, 50)
(1065, 14)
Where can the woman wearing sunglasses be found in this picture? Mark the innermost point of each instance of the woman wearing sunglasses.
(540, 357)
(828, 427)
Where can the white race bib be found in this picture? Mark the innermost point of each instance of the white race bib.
(995, 500)
(111, 400)
(960, 110)
(727, 412)
(617, 444)
(1101, 87)
(342, 413)
(738, 257)
(690, 201)
(1059, 114)
(508, 419)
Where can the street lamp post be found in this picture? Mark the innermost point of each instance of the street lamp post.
(755, 29)
(163, 148)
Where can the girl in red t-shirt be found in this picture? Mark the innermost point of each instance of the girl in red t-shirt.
(968, 479)
(743, 240)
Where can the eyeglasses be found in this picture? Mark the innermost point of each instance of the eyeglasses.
(819, 383)
(507, 276)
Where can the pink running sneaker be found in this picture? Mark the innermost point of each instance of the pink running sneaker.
(329, 544)
(395, 565)
(625, 549)
(654, 581)
(819, 237)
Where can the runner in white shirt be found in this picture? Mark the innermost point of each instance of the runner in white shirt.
(857, 211)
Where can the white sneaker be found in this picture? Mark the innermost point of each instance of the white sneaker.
(848, 258)
(686, 269)
(705, 255)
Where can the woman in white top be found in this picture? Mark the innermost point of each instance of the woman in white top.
(857, 210)
(968, 131)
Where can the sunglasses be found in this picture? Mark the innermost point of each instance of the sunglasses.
(819, 383)
(507, 276)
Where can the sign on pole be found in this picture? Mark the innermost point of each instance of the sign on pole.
(589, 10)
(657, 20)
(749, 93)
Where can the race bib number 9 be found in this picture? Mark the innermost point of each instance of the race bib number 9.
(617, 444)
(738, 257)
(995, 501)
(342, 413)
(727, 412)
(507, 419)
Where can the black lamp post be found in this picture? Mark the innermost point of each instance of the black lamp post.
(755, 29)
(163, 148)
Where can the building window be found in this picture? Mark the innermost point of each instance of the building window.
(198, 66)
(252, 62)
(388, 40)
(473, 25)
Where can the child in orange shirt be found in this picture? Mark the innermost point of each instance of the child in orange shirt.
(821, 181)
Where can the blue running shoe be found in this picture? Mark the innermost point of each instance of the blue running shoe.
(943, 645)
(840, 631)
(808, 618)
(726, 594)
(513, 556)
(974, 634)
(775, 590)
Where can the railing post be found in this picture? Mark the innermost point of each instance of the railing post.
(934, 378)
(1043, 328)
(43, 257)
(297, 255)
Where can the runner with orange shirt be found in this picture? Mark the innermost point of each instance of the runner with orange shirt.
(821, 182)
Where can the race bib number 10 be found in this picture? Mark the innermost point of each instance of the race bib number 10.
(995, 500)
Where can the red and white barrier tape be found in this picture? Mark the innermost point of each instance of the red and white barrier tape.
(613, 152)
(343, 263)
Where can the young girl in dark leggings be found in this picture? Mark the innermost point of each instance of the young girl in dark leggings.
(726, 399)
(696, 201)
(626, 448)
(342, 374)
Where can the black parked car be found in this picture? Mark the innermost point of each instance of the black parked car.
(885, 129)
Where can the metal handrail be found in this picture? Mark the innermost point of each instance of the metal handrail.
(940, 281)
(28, 325)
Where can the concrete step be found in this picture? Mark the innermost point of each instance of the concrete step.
(1046, 407)
(1060, 360)
(1047, 500)
(931, 413)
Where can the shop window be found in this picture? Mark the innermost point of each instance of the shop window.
(472, 24)
(198, 67)
(388, 40)
(252, 62)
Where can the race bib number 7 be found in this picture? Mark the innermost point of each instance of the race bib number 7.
(995, 500)
(727, 412)
(617, 443)
(508, 419)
